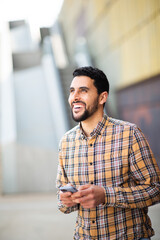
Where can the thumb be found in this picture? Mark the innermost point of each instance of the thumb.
(83, 187)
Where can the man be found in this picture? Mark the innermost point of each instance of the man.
(110, 163)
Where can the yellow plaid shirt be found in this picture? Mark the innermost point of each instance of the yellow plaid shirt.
(117, 157)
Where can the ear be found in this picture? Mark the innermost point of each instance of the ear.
(103, 97)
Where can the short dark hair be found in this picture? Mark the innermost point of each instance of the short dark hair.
(100, 80)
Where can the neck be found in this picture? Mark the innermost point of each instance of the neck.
(90, 123)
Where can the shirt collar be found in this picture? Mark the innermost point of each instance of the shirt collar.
(97, 130)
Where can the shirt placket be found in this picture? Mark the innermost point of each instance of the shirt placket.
(93, 228)
(91, 160)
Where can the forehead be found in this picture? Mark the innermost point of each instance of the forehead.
(82, 81)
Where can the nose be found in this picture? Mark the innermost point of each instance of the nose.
(76, 96)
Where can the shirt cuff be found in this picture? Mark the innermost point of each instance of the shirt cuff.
(110, 196)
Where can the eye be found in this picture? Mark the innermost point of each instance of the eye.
(71, 90)
(84, 90)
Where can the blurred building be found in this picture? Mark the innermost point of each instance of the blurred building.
(122, 38)
(32, 113)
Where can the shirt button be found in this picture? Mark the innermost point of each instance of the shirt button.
(93, 221)
(91, 163)
(91, 145)
(91, 182)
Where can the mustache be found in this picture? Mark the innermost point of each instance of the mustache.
(78, 102)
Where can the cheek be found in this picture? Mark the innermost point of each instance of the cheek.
(69, 100)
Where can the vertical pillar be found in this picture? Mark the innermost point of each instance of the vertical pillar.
(7, 109)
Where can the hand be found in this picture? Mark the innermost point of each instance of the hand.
(89, 196)
(66, 199)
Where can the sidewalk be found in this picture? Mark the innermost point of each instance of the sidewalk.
(35, 217)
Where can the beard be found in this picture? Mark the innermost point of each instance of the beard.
(87, 112)
(81, 118)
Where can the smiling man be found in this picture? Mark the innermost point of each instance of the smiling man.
(85, 102)
(80, 109)
(109, 162)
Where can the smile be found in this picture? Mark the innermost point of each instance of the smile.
(77, 105)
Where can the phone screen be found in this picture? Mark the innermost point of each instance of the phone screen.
(68, 189)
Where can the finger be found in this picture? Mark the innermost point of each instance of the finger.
(65, 194)
(83, 187)
(80, 194)
(76, 195)
(69, 204)
(85, 192)
(67, 200)
(83, 199)
(82, 191)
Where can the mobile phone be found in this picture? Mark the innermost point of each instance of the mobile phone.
(68, 189)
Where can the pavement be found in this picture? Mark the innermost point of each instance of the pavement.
(35, 217)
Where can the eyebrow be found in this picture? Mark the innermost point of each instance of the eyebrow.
(83, 87)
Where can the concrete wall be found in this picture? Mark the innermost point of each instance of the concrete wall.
(28, 169)
(33, 111)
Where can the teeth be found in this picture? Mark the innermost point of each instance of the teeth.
(77, 106)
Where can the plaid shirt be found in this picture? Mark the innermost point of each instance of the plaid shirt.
(117, 157)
